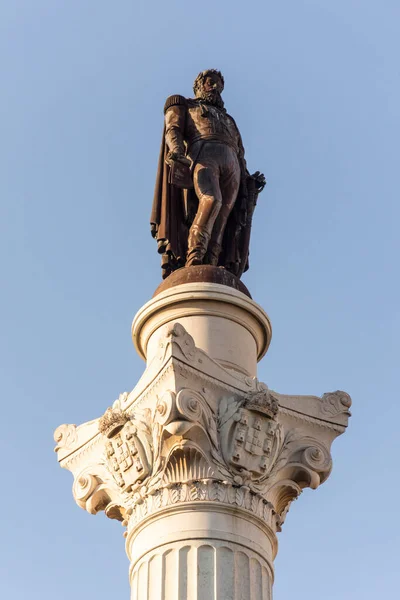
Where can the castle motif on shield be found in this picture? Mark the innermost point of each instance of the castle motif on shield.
(127, 449)
(251, 437)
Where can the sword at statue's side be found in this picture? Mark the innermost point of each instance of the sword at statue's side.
(255, 184)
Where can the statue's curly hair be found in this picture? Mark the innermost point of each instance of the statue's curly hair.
(198, 82)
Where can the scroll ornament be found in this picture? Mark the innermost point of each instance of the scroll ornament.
(185, 449)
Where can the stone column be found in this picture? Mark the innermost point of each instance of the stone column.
(201, 461)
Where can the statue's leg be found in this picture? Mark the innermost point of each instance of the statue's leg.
(206, 185)
(229, 185)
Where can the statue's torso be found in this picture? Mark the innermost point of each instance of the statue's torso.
(206, 122)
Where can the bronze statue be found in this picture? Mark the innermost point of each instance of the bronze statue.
(204, 196)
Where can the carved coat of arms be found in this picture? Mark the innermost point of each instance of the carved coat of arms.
(128, 450)
(250, 435)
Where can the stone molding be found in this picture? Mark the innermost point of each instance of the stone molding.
(178, 296)
(207, 491)
(199, 307)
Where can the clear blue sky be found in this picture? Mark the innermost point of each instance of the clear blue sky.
(315, 89)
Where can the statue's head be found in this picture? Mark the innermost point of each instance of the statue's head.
(209, 85)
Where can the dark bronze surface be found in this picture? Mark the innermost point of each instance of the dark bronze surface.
(202, 274)
(204, 197)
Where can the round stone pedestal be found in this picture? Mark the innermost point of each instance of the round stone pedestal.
(224, 322)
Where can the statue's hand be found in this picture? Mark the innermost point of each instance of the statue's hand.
(260, 180)
(175, 157)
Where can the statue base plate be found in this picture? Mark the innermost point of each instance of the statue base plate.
(202, 274)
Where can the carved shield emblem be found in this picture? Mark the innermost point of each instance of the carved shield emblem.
(252, 442)
(128, 451)
(251, 436)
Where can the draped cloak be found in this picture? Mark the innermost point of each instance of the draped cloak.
(174, 209)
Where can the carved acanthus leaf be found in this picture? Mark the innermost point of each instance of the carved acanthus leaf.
(210, 490)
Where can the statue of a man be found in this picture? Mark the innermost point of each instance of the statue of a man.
(204, 197)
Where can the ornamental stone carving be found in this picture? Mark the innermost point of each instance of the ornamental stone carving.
(65, 436)
(206, 437)
(250, 435)
(335, 403)
(128, 447)
(178, 334)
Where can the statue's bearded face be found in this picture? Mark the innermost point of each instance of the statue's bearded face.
(211, 90)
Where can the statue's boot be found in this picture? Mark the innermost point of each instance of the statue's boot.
(200, 231)
(213, 252)
(165, 265)
(197, 245)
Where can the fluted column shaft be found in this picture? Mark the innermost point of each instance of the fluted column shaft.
(208, 558)
(201, 570)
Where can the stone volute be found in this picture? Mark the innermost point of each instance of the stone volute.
(201, 461)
